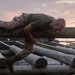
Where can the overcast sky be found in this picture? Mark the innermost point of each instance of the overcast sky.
(55, 8)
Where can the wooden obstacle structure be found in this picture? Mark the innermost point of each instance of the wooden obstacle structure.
(57, 62)
(35, 60)
(19, 33)
(67, 59)
(51, 60)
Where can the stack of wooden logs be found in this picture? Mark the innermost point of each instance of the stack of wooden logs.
(51, 60)
(56, 59)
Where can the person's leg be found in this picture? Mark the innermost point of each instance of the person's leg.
(18, 21)
(28, 48)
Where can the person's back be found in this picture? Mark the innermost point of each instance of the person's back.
(40, 22)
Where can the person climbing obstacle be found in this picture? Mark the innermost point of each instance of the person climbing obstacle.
(30, 22)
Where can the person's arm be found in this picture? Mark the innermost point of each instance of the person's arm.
(28, 33)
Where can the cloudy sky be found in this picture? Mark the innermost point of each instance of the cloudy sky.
(55, 8)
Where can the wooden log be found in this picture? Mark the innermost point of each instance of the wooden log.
(65, 33)
(2, 61)
(35, 60)
(64, 49)
(56, 44)
(52, 61)
(1, 56)
(39, 44)
(6, 52)
(48, 46)
(50, 69)
(64, 58)
(72, 44)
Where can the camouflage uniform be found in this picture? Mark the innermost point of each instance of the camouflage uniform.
(15, 23)
(28, 48)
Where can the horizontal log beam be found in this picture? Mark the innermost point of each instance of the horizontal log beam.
(6, 52)
(1, 56)
(65, 33)
(62, 57)
(2, 61)
(63, 48)
(33, 59)
(50, 69)
(50, 61)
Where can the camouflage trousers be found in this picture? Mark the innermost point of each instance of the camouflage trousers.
(17, 21)
(28, 48)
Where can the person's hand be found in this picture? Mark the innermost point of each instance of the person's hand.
(51, 39)
(33, 40)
